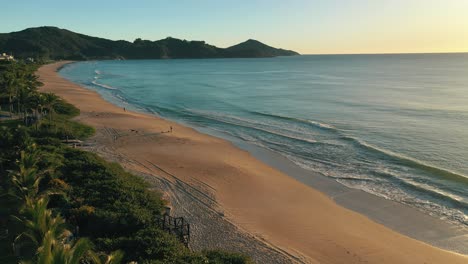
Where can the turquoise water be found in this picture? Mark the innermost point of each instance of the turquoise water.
(392, 125)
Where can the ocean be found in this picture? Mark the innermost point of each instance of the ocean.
(392, 125)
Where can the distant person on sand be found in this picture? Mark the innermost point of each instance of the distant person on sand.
(125, 110)
(171, 129)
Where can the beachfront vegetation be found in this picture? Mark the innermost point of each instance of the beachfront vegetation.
(45, 43)
(59, 204)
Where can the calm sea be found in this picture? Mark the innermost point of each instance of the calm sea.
(392, 125)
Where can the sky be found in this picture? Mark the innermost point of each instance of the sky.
(306, 26)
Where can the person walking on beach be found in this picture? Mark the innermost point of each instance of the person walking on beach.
(125, 110)
(171, 129)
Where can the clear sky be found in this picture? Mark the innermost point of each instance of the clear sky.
(307, 26)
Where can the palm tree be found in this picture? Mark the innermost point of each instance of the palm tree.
(18, 83)
(32, 81)
(49, 101)
(39, 222)
(24, 96)
(27, 178)
(34, 104)
(35, 217)
(5, 138)
(28, 93)
(115, 257)
(53, 241)
(9, 86)
(54, 251)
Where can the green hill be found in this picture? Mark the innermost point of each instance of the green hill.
(55, 43)
(255, 49)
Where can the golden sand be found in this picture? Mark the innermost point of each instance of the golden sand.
(253, 195)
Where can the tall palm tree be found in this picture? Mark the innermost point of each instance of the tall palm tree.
(28, 93)
(27, 178)
(49, 101)
(19, 84)
(54, 251)
(39, 222)
(34, 105)
(32, 81)
(9, 86)
(52, 240)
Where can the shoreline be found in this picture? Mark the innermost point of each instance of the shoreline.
(262, 200)
(399, 217)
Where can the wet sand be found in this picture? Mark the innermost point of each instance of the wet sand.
(275, 208)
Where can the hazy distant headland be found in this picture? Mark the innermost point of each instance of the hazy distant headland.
(55, 43)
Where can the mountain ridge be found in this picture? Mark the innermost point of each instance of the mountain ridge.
(55, 43)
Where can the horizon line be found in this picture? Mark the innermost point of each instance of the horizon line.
(250, 38)
(387, 53)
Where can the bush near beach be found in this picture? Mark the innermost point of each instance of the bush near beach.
(64, 205)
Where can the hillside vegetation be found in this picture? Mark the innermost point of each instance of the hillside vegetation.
(62, 205)
(51, 43)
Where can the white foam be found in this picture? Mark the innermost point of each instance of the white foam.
(103, 85)
(323, 125)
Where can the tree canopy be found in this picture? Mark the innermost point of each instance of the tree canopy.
(46, 43)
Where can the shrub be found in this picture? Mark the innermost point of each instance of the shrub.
(62, 107)
(220, 257)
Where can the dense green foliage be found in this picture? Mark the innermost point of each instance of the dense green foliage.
(63, 205)
(46, 43)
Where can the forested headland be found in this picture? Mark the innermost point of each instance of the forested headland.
(52, 43)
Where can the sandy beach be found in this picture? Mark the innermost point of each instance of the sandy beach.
(291, 221)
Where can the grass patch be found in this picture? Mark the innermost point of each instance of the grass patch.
(62, 127)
